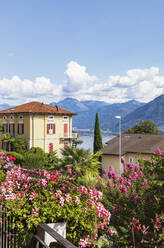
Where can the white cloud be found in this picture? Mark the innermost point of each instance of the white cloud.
(16, 90)
(138, 84)
(77, 77)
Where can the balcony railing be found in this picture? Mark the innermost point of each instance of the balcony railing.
(69, 136)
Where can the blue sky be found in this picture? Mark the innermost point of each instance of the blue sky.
(111, 50)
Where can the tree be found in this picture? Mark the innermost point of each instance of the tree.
(145, 126)
(35, 158)
(7, 138)
(80, 161)
(19, 145)
(97, 136)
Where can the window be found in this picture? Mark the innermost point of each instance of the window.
(11, 117)
(51, 147)
(12, 129)
(65, 130)
(21, 117)
(65, 118)
(20, 128)
(50, 117)
(51, 129)
(4, 117)
(4, 146)
(5, 127)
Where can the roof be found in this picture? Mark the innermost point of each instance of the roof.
(36, 107)
(134, 143)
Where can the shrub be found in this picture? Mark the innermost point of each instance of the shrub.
(53, 198)
(52, 160)
(34, 160)
(136, 202)
(19, 157)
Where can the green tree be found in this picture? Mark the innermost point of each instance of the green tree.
(19, 145)
(83, 163)
(52, 160)
(35, 158)
(7, 138)
(145, 126)
(97, 136)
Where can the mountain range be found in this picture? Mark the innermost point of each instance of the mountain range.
(153, 110)
(131, 113)
(86, 111)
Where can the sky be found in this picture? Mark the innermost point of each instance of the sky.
(108, 50)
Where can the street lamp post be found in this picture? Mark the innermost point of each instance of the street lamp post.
(120, 166)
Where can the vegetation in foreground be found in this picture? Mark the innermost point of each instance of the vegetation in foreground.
(135, 199)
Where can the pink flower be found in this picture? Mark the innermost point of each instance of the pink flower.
(77, 200)
(121, 179)
(95, 235)
(43, 182)
(68, 198)
(104, 172)
(112, 173)
(61, 201)
(69, 170)
(124, 189)
(111, 232)
(32, 196)
(158, 151)
(109, 183)
(140, 174)
(122, 160)
(35, 210)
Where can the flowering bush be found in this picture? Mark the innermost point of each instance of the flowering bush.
(50, 197)
(136, 202)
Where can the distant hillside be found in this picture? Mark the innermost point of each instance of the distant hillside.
(153, 110)
(86, 111)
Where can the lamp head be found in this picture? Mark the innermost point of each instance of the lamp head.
(118, 117)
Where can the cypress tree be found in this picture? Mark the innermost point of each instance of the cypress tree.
(97, 136)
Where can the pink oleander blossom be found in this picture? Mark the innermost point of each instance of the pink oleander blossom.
(77, 200)
(68, 198)
(32, 196)
(35, 210)
(112, 173)
(122, 160)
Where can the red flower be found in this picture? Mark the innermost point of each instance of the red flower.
(53, 178)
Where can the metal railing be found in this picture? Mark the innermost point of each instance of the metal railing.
(8, 234)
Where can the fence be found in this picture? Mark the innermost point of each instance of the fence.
(8, 235)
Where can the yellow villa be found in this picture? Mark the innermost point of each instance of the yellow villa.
(41, 125)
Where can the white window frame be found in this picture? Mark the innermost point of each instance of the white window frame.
(51, 128)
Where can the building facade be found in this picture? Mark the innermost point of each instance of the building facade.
(133, 148)
(41, 125)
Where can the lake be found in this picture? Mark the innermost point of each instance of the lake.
(88, 140)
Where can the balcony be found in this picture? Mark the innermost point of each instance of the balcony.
(69, 136)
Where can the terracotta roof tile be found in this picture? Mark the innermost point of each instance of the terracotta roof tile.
(36, 107)
(134, 143)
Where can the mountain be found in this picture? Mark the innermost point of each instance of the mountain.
(153, 110)
(86, 111)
